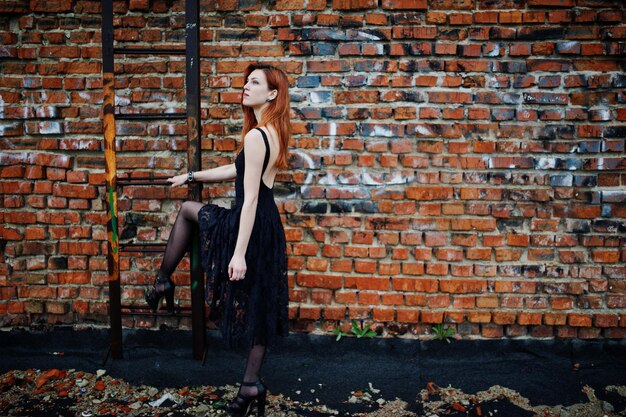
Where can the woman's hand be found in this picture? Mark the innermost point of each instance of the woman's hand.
(178, 180)
(237, 268)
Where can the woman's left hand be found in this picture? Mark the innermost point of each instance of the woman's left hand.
(237, 268)
(178, 180)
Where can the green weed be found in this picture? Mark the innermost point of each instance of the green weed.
(359, 332)
(443, 333)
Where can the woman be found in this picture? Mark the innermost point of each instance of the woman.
(242, 248)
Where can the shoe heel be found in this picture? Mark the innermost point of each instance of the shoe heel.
(169, 296)
(260, 406)
(169, 300)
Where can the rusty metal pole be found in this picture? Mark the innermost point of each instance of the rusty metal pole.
(194, 131)
(108, 118)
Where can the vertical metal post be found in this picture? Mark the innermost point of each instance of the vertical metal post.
(108, 118)
(194, 130)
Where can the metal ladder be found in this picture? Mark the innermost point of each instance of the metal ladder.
(113, 181)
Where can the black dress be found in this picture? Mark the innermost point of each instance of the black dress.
(253, 310)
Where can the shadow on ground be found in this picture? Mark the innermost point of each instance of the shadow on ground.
(61, 373)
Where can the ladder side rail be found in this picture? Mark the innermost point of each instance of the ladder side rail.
(194, 142)
(108, 118)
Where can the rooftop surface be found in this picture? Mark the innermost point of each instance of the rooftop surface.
(62, 373)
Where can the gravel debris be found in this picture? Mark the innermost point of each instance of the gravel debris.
(57, 392)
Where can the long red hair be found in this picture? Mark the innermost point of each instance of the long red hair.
(276, 114)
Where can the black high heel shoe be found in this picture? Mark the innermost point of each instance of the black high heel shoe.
(160, 290)
(241, 405)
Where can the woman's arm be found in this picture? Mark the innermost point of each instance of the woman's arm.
(254, 151)
(223, 173)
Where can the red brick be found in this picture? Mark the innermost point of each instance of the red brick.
(579, 320)
(51, 6)
(367, 283)
(345, 297)
(383, 314)
(319, 281)
(370, 298)
(432, 317)
(358, 313)
(310, 312)
(354, 4)
(605, 320)
(529, 318)
(407, 315)
(554, 319)
(405, 4)
(334, 313)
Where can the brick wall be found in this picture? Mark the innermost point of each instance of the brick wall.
(457, 162)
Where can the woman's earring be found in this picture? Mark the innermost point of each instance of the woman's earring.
(267, 100)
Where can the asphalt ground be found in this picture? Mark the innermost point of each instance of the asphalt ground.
(515, 377)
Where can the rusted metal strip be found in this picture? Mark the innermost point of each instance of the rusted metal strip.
(152, 116)
(108, 118)
(142, 247)
(149, 51)
(142, 183)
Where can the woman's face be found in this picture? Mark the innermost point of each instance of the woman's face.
(256, 92)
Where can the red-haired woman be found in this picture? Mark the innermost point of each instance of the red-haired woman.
(242, 248)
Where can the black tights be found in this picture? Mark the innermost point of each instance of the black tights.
(177, 246)
(180, 238)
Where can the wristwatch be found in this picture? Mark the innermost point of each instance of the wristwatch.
(190, 178)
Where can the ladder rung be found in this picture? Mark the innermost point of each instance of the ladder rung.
(151, 116)
(153, 314)
(148, 51)
(143, 183)
(144, 307)
(142, 247)
(121, 182)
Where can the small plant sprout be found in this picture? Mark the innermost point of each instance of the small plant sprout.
(360, 332)
(443, 333)
(340, 333)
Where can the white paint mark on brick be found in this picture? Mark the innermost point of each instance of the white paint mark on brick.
(368, 180)
(85, 96)
(50, 128)
(316, 98)
(310, 164)
(495, 52)
(333, 134)
(604, 114)
(121, 101)
(329, 179)
(369, 36)
(423, 130)
(398, 178)
(569, 45)
(333, 129)
(382, 131)
(494, 83)
(546, 163)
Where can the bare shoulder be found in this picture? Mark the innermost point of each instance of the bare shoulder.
(253, 136)
(253, 145)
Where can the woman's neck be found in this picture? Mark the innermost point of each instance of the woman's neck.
(258, 112)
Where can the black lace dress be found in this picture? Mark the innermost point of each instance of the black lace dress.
(253, 310)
